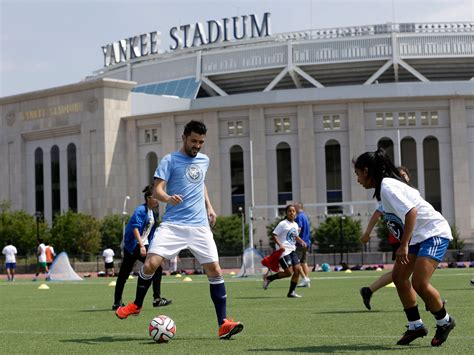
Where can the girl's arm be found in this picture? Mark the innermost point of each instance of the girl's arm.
(372, 222)
(300, 241)
(410, 220)
(277, 241)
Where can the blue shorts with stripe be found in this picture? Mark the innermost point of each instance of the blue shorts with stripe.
(434, 248)
(289, 260)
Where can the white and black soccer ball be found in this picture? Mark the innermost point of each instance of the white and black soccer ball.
(162, 329)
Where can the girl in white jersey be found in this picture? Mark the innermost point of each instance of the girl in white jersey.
(285, 236)
(424, 236)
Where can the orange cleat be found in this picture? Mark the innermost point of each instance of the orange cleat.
(130, 309)
(230, 328)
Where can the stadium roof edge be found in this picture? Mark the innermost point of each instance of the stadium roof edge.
(389, 91)
(74, 87)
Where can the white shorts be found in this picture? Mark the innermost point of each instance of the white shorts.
(170, 239)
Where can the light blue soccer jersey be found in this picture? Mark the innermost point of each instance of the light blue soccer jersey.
(185, 176)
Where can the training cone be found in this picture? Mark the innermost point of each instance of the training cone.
(112, 283)
(187, 279)
(378, 269)
(178, 275)
(130, 277)
(391, 284)
(348, 270)
(43, 287)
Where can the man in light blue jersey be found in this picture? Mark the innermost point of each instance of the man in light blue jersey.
(179, 182)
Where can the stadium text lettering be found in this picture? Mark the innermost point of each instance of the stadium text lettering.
(131, 48)
(237, 27)
(52, 111)
(188, 36)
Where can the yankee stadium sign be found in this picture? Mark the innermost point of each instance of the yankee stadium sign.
(188, 36)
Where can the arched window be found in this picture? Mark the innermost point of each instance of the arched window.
(237, 178)
(285, 190)
(408, 151)
(39, 181)
(432, 174)
(387, 145)
(72, 176)
(55, 181)
(333, 175)
(152, 162)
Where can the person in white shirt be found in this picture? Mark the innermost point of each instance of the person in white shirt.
(108, 255)
(424, 237)
(10, 260)
(42, 267)
(285, 236)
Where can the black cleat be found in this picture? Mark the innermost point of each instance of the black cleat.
(442, 332)
(366, 294)
(116, 306)
(411, 335)
(161, 302)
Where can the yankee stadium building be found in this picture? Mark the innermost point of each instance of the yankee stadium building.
(286, 113)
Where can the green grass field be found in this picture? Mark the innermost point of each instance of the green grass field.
(330, 318)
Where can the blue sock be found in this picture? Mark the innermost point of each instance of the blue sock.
(219, 297)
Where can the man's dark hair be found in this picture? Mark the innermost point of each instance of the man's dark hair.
(194, 126)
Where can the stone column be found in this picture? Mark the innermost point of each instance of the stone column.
(357, 146)
(460, 163)
(213, 176)
(306, 154)
(259, 147)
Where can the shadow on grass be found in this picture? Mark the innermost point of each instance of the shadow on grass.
(96, 310)
(256, 297)
(357, 311)
(99, 340)
(112, 339)
(328, 349)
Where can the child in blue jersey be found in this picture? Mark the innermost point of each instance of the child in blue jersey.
(285, 236)
(424, 237)
(179, 182)
(302, 251)
(138, 234)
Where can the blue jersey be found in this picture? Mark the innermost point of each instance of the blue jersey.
(185, 176)
(145, 220)
(305, 232)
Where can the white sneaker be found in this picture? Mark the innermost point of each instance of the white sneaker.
(305, 283)
(294, 295)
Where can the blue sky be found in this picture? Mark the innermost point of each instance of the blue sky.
(51, 43)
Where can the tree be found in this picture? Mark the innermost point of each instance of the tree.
(21, 228)
(457, 242)
(76, 233)
(228, 235)
(111, 230)
(328, 234)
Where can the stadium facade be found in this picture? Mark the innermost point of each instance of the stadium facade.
(286, 114)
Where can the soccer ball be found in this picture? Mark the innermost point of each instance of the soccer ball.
(162, 329)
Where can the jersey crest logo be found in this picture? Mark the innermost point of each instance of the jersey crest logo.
(291, 236)
(394, 224)
(194, 173)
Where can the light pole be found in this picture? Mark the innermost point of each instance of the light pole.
(242, 217)
(124, 213)
(341, 237)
